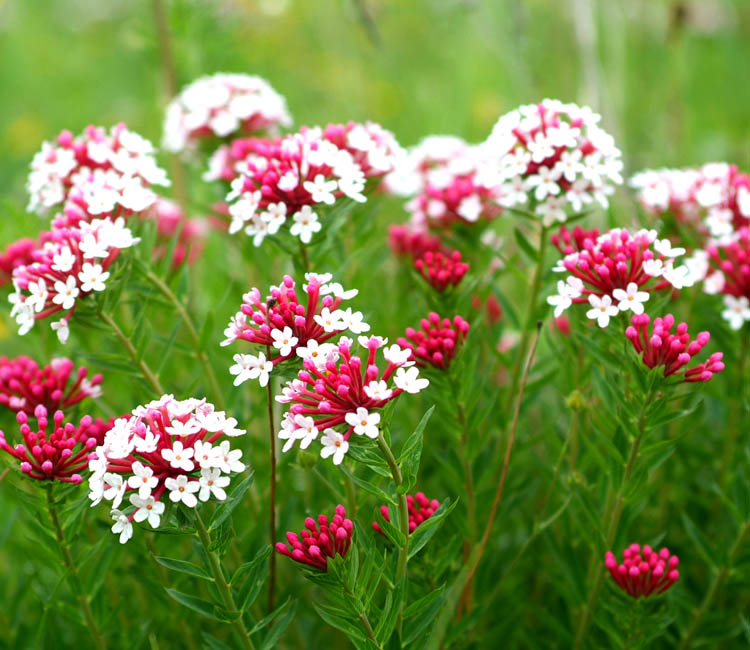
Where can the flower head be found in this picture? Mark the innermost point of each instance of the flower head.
(442, 271)
(658, 346)
(373, 148)
(420, 508)
(59, 453)
(172, 446)
(220, 105)
(320, 541)
(19, 253)
(24, 385)
(437, 342)
(643, 572)
(729, 273)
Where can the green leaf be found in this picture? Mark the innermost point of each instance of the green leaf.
(280, 626)
(224, 511)
(257, 569)
(389, 618)
(391, 532)
(369, 486)
(700, 541)
(212, 643)
(205, 335)
(335, 620)
(526, 246)
(429, 527)
(421, 613)
(199, 605)
(184, 567)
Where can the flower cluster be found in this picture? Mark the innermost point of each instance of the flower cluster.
(420, 508)
(406, 241)
(220, 105)
(167, 445)
(442, 271)
(373, 148)
(713, 198)
(280, 323)
(574, 241)
(16, 254)
(730, 261)
(285, 179)
(643, 572)
(437, 343)
(320, 541)
(57, 455)
(24, 385)
(617, 272)
(552, 157)
(93, 174)
(658, 346)
(328, 395)
(72, 264)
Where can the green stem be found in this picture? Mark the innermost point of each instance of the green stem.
(75, 581)
(403, 512)
(272, 493)
(304, 256)
(226, 593)
(614, 519)
(716, 585)
(147, 373)
(194, 336)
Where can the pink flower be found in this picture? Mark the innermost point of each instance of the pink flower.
(56, 455)
(438, 341)
(18, 253)
(568, 242)
(442, 271)
(420, 508)
(644, 572)
(24, 385)
(320, 541)
(407, 241)
(658, 346)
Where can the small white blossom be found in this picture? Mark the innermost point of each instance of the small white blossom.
(333, 445)
(630, 298)
(181, 489)
(602, 309)
(364, 422)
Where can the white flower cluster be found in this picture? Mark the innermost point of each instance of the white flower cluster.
(554, 157)
(167, 446)
(103, 170)
(715, 195)
(221, 105)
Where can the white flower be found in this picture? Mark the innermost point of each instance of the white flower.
(737, 311)
(321, 189)
(204, 454)
(114, 488)
(397, 355)
(61, 328)
(228, 459)
(148, 509)
(147, 443)
(544, 182)
(364, 422)
(274, 216)
(305, 431)
(183, 429)
(212, 482)
(602, 309)
(330, 321)
(66, 293)
(552, 210)
(720, 222)
(182, 489)
(143, 480)
(409, 380)
(714, 283)
(378, 390)
(319, 354)
(566, 292)
(630, 299)
(654, 268)
(540, 148)
(664, 246)
(333, 445)
(179, 457)
(122, 526)
(248, 366)
(470, 208)
(63, 260)
(39, 294)
(337, 291)
(353, 321)
(305, 224)
(283, 340)
(569, 165)
(678, 276)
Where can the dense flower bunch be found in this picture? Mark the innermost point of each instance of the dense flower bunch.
(420, 509)
(574, 241)
(60, 454)
(437, 343)
(714, 197)
(171, 221)
(553, 157)
(72, 264)
(658, 346)
(643, 572)
(24, 385)
(373, 148)
(93, 174)
(281, 323)
(617, 272)
(220, 105)
(285, 179)
(730, 261)
(325, 396)
(167, 445)
(16, 254)
(406, 241)
(320, 541)
(442, 271)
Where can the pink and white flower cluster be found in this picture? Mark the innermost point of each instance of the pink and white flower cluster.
(345, 393)
(714, 198)
(643, 572)
(94, 174)
(24, 385)
(171, 446)
(220, 105)
(287, 180)
(553, 158)
(71, 264)
(658, 346)
(281, 324)
(617, 272)
(729, 274)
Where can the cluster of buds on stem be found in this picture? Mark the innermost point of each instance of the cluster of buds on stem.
(577, 240)
(442, 270)
(658, 346)
(438, 342)
(19, 253)
(643, 572)
(420, 509)
(407, 241)
(320, 541)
